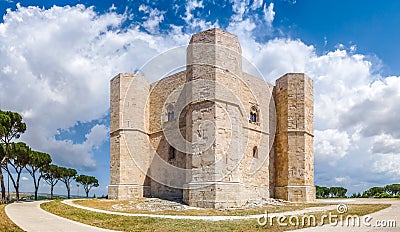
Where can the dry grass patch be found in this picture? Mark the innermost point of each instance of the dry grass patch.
(5, 223)
(125, 223)
(353, 210)
(108, 205)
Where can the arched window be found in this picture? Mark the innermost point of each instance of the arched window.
(171, 153)
(170, 116)
(255, 152)
(170, 112)
(254, 114)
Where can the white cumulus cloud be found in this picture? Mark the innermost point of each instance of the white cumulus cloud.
(55, 69)
(257, 4)
(269, 13)
(331, 145)
(385, 144)
(56, 63)
(153, 19)
(389, 165)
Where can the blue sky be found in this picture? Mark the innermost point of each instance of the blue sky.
(57, 57)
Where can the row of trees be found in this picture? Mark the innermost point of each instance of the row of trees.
(53, 173)
(388, 191)
(330, 192)
(16, 157)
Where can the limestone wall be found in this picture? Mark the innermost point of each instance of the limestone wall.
(129, 146)
(260, 135)
(164, 94)
(229, 159)
(294, 139)
(230, 162)
(214, 67)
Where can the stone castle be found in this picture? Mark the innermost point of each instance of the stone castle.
(212, 135)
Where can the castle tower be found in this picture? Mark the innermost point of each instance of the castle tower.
(207, 135)
(214, 68)
(128, 133)
(294, 161)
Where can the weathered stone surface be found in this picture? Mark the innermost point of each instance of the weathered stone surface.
(294, 161)
(226, 158)
(128, 124)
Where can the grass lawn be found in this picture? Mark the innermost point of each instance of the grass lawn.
(5, 223)
(125, 223)
(107, 205)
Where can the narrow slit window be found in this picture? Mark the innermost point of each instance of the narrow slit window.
(171, 153)
(255, 152)
(254, 114)
(170, 113)
(253, 117)
(170, 116)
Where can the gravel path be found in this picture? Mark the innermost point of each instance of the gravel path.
(30, 217)
(206, 218)
(378, 221)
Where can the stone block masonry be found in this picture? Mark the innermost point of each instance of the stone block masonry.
(294, 161)
(212, 135)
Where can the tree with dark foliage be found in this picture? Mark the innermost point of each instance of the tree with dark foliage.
(67, 175)
(11, 127)
(88, 182)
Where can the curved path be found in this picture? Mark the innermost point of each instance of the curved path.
(30, 217)
(205, 218)
(384, 220)
(391, 214)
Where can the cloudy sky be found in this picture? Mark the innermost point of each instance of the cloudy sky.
(57, 57)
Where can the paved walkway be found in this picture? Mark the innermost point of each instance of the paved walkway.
(378, 221)
(30, 217)
(383, 217)
(205, 218)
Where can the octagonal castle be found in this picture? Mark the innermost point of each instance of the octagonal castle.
(212, 135)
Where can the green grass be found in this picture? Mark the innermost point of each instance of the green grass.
(125, 223)
(6, 224)
(107, 205)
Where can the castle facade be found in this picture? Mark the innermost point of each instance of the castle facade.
(212, 134)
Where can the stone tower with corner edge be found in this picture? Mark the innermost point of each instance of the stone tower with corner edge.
(294, 148)
(214, 66)
(245, 160)
(127, 124)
